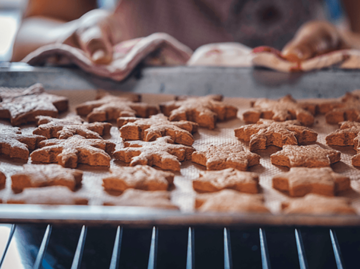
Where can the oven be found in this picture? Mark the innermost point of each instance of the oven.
(38, 237)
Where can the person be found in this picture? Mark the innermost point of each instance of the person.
(192, 22)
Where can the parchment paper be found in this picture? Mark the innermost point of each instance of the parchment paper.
(182, 193)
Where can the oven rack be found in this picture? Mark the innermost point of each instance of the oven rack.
(153, 256)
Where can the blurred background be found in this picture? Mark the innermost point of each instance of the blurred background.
(10, 18)
(11, 13)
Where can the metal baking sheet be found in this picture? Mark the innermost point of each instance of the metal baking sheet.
(95, 214)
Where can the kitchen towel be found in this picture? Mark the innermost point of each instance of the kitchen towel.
(158, 49)
(237, 55)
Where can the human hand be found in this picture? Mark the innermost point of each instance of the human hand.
(312, 39)
(95, 33)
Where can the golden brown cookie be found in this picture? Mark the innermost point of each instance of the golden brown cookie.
(15, 144)
(141, 177)
(318, 205)
(2, 180)
(300, 181)
(347, 109)
(34, 176)
(54, 195)
(225, 156)
(131, 197)
(69, 126)
(344, 136)
(267, 133)
(230, 201)
(205, 110)
(157, 126)
(161, 152)
(24, 107)
(76, 149)
(305, 156)
(213, 181)
(285, 108)
(111, 107)
(347, 135)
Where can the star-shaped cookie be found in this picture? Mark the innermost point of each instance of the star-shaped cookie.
(230, 201)
(205, 110)
(286, 108)
(15, 144)
(76, 149)
(141, 177)
(69, 126)
(300, 181)
(53, 195)
(34, 176)
(348, 109)
(110, 107)
(305, 156)
(267, 133)
(213, 181)
(318, 205)
(131, 197)
(157, 126)
(161, 152)
(24, 107)
(347, 135)
(225, 156)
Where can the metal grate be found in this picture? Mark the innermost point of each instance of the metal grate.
(153, 255)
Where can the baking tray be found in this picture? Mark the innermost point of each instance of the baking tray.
(96, 215)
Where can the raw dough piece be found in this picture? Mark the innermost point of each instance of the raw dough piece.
(205, 110)
(157, 126)
(141, 177)
(161, 152)
(225, 156)
(300, 181)
(305, 156)
(270, 133)
(76, 149)
(69, 126)
(213, 181)
(286, 108)
(34, 176)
